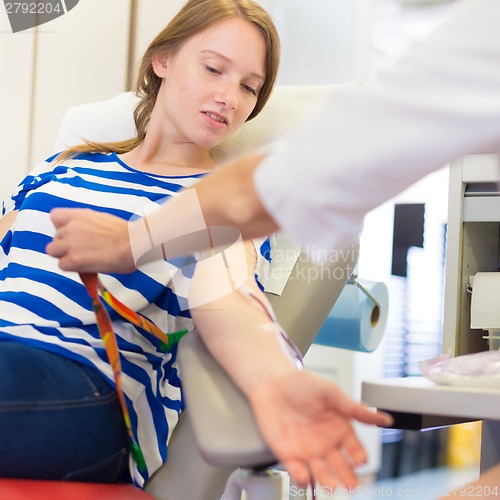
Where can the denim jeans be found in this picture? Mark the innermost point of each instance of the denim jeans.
(59, 419)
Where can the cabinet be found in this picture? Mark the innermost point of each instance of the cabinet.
(472, 246)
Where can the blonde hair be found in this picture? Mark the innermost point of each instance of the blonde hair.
(195, 16)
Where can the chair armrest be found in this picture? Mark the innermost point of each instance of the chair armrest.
(311, 292)
(220, 416)
(222, 421)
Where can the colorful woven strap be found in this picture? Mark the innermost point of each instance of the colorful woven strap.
(167, 340)
(105, 327)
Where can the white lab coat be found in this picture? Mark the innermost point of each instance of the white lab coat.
(367, 143)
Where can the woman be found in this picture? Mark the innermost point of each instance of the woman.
(210, 70)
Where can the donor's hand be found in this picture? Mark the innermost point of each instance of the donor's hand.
(88, 241)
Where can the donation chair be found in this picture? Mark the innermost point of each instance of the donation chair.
(216, 433)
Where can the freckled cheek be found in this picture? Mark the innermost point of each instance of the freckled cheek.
(186, 96)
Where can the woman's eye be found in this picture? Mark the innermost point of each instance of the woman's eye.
(210, 69)
(249, 89)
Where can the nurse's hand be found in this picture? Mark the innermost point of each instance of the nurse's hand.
(307, 423)
(88, 241)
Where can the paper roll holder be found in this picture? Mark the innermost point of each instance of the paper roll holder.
(375, 315)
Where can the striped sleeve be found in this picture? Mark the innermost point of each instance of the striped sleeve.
(37, 176)
(276, 258)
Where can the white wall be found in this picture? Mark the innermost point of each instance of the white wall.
(16, 76)
(79, 57)
(324, 41)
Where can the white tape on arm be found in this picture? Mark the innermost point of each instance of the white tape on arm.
(178, 224)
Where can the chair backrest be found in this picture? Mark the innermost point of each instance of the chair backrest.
(220, 433)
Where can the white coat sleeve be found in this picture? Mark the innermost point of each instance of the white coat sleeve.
(367, 143)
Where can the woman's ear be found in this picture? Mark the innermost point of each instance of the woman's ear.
(159, 63)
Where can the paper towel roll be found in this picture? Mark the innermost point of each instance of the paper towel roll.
(484, 309)
(355, 322)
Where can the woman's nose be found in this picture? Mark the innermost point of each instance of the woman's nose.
(227, 94)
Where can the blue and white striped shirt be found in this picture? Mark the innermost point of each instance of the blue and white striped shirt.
(43, 306)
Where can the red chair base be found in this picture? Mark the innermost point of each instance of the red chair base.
(28, 489)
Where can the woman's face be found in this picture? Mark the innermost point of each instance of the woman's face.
(210, 85)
